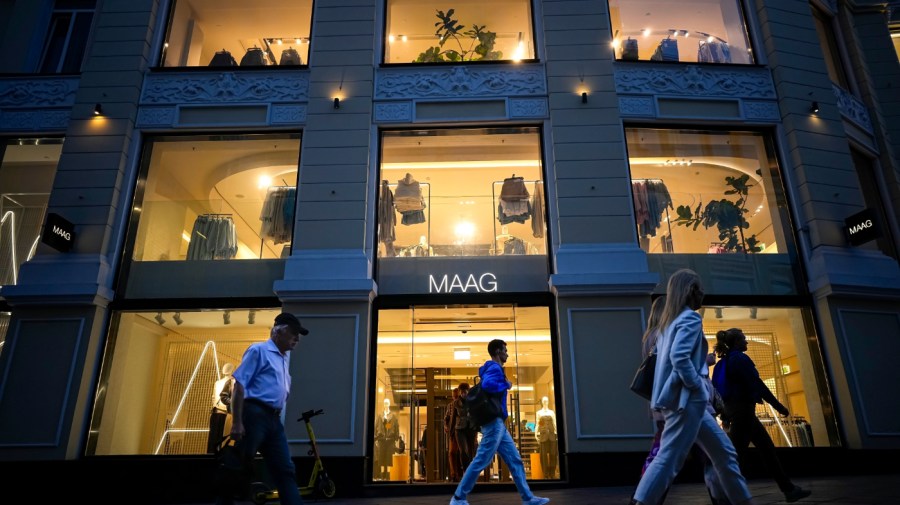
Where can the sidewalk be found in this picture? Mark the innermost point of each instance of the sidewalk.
(851, 490)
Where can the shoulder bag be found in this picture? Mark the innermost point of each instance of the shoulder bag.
(642, 384)
(483, 407)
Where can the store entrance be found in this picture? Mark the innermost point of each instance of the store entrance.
(424, 353)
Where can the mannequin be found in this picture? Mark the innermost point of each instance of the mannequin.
(545, 432)
(221, 408)
(387, 433)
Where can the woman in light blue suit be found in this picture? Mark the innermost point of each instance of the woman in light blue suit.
(679, 392)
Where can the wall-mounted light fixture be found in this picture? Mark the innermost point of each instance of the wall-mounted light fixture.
(160, 319)
(584, 97)
(177, 318)
(814, 107)
(98, 109)
(337, 103)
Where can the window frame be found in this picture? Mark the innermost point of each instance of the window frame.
(66, 45)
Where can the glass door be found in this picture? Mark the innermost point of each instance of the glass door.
(424, 355)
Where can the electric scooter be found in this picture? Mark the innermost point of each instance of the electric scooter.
(319, 482)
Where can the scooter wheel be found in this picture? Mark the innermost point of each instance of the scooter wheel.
(327, 487)
(258, 492)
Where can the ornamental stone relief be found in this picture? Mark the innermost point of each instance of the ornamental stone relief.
(393, 112)
(34, 120)
(226, 87)
(156, 116)
(636, 106)
(528, 108)
(43, 92)
(693, 80)
(288, 114)
(852, 109)
(755, 110)
(460, 81)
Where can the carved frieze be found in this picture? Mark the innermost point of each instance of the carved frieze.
(34, 120)
(288, 114)
(852, 109)
(528, 108)
(225, 87)
(761, 110)
(156, 116)
(386, 112)
(636, 106)
(460, 81)
(38, 92)
(694, 80)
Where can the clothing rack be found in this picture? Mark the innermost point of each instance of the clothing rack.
(494, 199)
(668, 218)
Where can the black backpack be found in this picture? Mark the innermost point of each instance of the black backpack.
(483, 407)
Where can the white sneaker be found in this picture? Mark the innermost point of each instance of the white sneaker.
(457, 501)
(536, 500)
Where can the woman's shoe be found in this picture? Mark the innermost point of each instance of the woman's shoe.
(798, 493)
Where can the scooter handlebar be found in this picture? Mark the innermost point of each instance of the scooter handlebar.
(309, 414)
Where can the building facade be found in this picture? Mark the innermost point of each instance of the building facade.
(414, 179)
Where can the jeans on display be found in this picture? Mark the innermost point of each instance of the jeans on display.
(682, 429)
(265, 433)
(495, 439)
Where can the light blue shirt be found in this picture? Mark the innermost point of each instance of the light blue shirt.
(264, 374)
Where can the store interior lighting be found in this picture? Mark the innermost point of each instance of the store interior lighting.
(160, 319)
(177, 318)
(226, 317)
(251, 317)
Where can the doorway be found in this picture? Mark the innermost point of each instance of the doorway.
(425, 352)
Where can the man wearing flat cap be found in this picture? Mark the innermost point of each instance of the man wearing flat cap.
(261, 387)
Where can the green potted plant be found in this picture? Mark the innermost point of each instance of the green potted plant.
(474, 44)
(728, 216)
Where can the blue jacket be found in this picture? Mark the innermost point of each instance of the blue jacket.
(493, 381)
(680, 364)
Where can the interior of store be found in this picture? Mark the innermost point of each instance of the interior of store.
(261, 33)
(236, 202)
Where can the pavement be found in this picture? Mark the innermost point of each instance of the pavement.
(831, 490)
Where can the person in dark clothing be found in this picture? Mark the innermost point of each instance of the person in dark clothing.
(450, 420)
(737, 380)
(466, 432)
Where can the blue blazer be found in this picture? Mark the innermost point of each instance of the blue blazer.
(680, 364)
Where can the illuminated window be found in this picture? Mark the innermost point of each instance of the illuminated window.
(426, 31)
(158, 382)
(236, 200)
(706, 31)
(461, 192)
(237, 33)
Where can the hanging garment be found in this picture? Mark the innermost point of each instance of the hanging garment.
(222, 58)
(713, 52)
(255, 57)
(290, 56)
(515, 204)
(630, 49)
(667, 50)
(651, 199)
(537, 211)
(515, 246)
(387, 219)
(277, 214)
(514, 189)
(213, 237)
(409, 202)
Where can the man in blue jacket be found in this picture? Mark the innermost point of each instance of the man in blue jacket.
(494, 436)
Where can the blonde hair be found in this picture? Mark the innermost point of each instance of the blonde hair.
(650, 334)
(678, 291)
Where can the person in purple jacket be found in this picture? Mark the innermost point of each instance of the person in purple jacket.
(494, 436)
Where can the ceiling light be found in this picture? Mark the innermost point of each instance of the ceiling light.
(160, 319)
(264, 181)
(462, 354)
(251, 317)
(718, 312)
(177, 318)
(226, 317)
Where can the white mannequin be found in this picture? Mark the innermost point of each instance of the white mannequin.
(227, 369)
(387, 408)
(545, 411)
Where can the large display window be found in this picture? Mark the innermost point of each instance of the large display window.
(699, 192)
(162, 379)
(217, 198)
(238, 33)
(424, 354)
(462, 193)
(426, 31)
(702, 31)
(783, 345)
(27, 170)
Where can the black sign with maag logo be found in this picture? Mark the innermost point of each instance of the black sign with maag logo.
(58, 233)
(862, 227)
